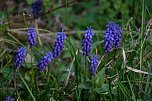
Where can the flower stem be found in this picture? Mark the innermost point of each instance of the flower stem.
(27, 87)
(15, 83)
(24, 18)
(37, 31)
(85, 68)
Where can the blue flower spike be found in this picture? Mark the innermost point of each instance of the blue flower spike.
(1, 21)
(87, 41)
(31, 36)
(112, 37)
(20, 56)
(43, 63)
(59, 44)
(8, 98)
(94, 65)
(36, 7)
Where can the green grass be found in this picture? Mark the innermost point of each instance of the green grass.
(123, 74)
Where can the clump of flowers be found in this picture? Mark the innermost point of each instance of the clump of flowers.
(59, 44)
(87, 41)
(20, 56)
(8, 98)
(94, 65)
(31, 36)
(43, 63)
(112, 36)
(36, 6)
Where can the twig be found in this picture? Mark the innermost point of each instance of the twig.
(137, 71)
(70, 70)
(101, 59)
(70, 32)
(63, 5)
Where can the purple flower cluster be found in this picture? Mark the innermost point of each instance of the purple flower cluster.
(87, 41)
(43, 63)
(31, 36)
(20, 56)
(59, 44)
(8, 98)
(36, 6)
(112, 36)
(58, 48)
(94, 65)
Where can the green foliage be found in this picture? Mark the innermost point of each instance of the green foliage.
(30, 1)
(123, 74)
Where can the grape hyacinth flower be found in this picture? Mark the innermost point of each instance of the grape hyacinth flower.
(59, 44)
(20, 56)
(1, 21)
(8, 98)
(87, 41)
(112, 36)
(36, 6)
(94, 65)
(31, 36)
(43, 63)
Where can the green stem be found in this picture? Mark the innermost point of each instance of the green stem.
(27, 87)
(31, 58)
(85, 68)
(106, 55)
(77, 74)
(93, 87)
(47, 86)
(48, 74)
(15, 39)
(110, 93)
(99, 45)
(37, 31)
(142, 33)
(147, 83)
(67, 13)
(15, 83)
(33, 74)
(36, 83)
(48, 77)
(25, 20)
(114, 56)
